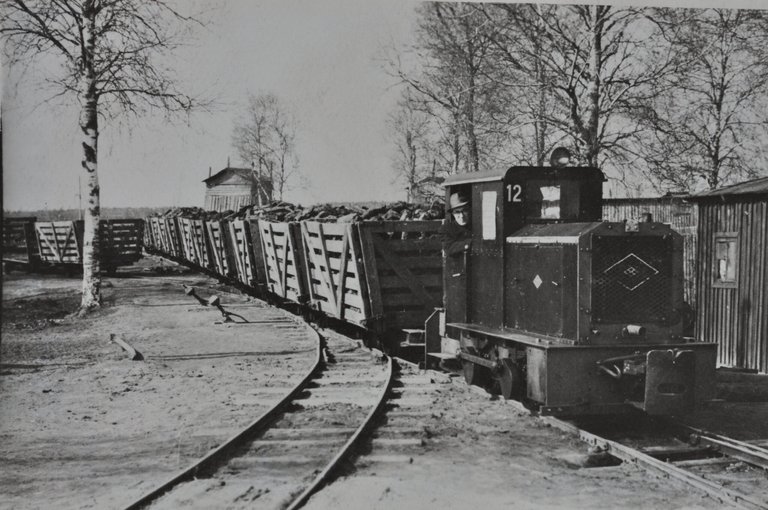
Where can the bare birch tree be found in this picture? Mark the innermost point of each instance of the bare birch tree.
(585, 68)
(708, 122)
(265, 137)
(451, 56)
(111, 54)
(409, 129)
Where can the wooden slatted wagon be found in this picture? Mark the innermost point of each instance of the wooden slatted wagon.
(222, 261)
(61, 242)
(246, 251)
(284, 260)
(335, 278)
(193, 242)
(19, 244)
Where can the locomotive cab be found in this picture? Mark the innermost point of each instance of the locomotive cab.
(554, 305)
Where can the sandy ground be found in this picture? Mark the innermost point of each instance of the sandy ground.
(82, 426)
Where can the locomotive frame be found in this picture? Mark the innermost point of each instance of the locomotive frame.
(578, 315)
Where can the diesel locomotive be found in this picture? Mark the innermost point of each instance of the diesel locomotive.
(551, 304)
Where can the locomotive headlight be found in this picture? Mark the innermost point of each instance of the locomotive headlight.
(560, 157)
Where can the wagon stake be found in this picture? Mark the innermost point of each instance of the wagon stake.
(190, 291)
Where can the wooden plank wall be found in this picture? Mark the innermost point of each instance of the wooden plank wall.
(403, 270)
(682, 216)
(228, 197)
(284, 260)
(735, 318)
(336, 283)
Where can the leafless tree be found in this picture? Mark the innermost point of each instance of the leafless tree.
(581, 69)
(449, 79)
(111, 54)
(265, 136)
(413, 161)
(708, 123)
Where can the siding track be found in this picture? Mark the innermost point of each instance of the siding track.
(290, 451)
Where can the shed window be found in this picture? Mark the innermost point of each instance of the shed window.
(726, 255)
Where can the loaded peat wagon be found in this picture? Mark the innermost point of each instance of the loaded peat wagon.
(385, 277)
(152, 225)
(221, 253)
(19, 244)
(245, 249)
(193, 242)
(284, 263)
(171, 241)
(402, 263)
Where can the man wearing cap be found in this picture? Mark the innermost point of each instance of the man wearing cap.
(455, 234)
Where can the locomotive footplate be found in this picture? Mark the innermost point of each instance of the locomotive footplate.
(564, 379)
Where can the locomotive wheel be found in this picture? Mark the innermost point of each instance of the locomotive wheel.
(510, 379)
(474, 374)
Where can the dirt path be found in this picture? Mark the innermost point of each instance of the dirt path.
(82, 426)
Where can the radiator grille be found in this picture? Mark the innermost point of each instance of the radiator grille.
(631, 278)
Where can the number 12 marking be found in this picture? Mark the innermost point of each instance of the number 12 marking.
(518, 190)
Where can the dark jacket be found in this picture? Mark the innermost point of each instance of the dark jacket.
(455, 238)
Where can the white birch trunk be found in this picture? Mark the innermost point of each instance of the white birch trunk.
(89, 125)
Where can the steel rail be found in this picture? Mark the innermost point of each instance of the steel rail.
(223, 451)
(649, 463)
(630, 455)
(362, 431)
(746, 452)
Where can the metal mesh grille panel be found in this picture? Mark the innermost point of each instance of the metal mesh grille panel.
(631, 278)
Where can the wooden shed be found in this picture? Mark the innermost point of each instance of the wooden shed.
(673, 210)
(232, 188)
(732, 277)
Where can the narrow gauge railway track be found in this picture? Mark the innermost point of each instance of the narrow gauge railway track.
(730, 471)
(284, 456)
(401, 434)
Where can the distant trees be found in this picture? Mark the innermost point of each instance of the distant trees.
(265, 136)
(109, 51)
(659, 95)
(708, 122)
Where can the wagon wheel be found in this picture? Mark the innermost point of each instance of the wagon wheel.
(475, 375)
(510, 379)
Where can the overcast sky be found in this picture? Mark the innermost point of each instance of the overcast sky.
(320, 57)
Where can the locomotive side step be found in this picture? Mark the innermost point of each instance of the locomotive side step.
(413, 337)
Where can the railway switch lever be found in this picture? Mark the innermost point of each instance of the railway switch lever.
(190, 291)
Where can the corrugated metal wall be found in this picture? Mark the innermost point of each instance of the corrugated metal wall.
(682, 216)
(735, 318)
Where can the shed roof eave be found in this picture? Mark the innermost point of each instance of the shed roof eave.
(753, 188)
